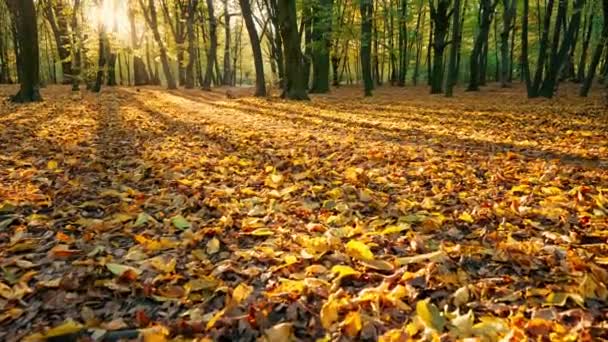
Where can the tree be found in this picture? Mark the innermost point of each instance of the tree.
(295, 83)
(452, 69)
(559, 51)
(441, 20)
(24, 22)
(508, 23)
(525, 65)
(152, 21)
(140, 73)
(597, 53)
(366, 8)
(191, 17)
(212, 50)
(55, 13)
(479, 54)
(321, 38)
(260, 83)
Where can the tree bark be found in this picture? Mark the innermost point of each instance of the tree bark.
(295, 88)
(525, 65)
(542, 54)
(260, 83)
(56, 16)
(550, 82)
(191, 12)
(140, 73)
(321, 39)
(452, 69)
(24, 22)
(507, 25)
(597, 54)
(580, 77)
(479, 54)
(227, 78)
(366, 8)
(212, 51)
(440, 16)
(152, 20)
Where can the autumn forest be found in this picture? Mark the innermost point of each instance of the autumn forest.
(304, 170)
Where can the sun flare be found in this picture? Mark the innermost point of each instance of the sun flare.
(113, 15)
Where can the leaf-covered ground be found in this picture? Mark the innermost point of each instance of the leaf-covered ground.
(404, 216)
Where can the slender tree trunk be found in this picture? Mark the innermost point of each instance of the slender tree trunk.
(192, 6)
(584, 50)
(452, 69)
(227, 78)
(479, 55)
(403, 53)
(542, 54)
(321, 38)
(260, 83)
(550, 83)
(140, 74)
(525, 65)
(76, 43)
(152, 20)
(507, 25)
(599, 49)
(212, 51)
(56, 16)
(366, 8)
(101, 60)
(24, 14)
(440, 16)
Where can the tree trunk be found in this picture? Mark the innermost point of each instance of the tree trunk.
(192, 6)
(140, 74)
(403, 53)
(479, 56)
(56, 16)
(440, 17)
(366, 8)
(507, 25)
(24, 22)
(550, 83)
(212, 51)
(321, 38)
(599, 49)
(295, 88)
(525, 65)
(101, 60)
(452, 69)
(152, 20)
(227, 78)
(542, 54)
(260, 83)
(580, 77)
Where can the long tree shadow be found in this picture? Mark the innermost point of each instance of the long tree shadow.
(418, 136)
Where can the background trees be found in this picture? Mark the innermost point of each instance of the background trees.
(299, 46)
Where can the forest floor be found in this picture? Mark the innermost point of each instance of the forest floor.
(155, 212)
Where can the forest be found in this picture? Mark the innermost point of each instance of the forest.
(303, 170)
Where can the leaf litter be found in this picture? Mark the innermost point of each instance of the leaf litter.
(159, 215)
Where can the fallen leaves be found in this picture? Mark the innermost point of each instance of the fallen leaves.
(157, 215)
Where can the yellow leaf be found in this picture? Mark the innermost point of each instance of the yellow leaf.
(433, 256)
(344, 271)
(379, 265)
(329, 312)
(52, 165)
(282, 332)
(262, 232)
(429, 314)
(66, 328)
(359, 250)
(466, 217)
(213, 246)
(162, 265)
(352, 324)
(241, 292)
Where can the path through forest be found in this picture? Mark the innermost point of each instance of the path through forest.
(186, 210)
